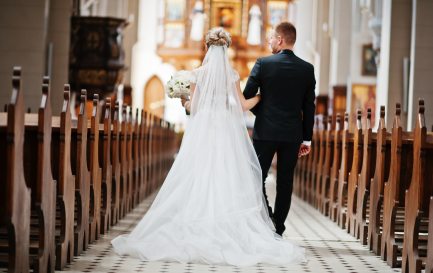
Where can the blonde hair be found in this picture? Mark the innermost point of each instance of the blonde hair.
(219, 37)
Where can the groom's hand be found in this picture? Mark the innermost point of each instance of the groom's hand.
(304, 150)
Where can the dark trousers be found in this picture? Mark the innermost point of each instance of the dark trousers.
(287, 156)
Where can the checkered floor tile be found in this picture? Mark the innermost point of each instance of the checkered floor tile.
(329, 248)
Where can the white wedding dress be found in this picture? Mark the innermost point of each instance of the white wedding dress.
(210, 208)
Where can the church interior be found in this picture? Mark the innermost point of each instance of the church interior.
(88, 132)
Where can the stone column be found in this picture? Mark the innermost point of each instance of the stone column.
(130, 38)
(360, 36)
(395, 47)
(421, 56)
(23, 31)
(340, 32)
(303, 21)
(145, 62)
(322, 45)
(58, 40)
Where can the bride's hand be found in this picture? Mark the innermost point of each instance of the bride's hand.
(259, 97)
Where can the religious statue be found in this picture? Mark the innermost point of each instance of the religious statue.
(255, 26)
(198, 19)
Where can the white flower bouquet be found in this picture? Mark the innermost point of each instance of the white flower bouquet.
(179, 85)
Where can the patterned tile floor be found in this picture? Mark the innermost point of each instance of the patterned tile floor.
(329, 248)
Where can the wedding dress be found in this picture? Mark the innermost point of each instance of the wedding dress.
(210, 208)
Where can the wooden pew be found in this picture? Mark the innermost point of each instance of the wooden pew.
(62, 173)
(167, 145)
(308, 172)
(82, 178)
(336, 163)
(116, 184)
(319, 163)
(311, 186)
(352, 191)
(14, 192)
(147, 151)
(123, 164)
(106, 162)
(146, 157)
(394, 192)
(174, 141)
(343, 177)
(429, 264)
(152, 153)
(95, 172)
(381, 171)
(157, 151)
(129, 131)
(142, 151)
(417, 200)
(161, 152)
(37, 172)
(298, 174)
(363, 188)
(326, 167)
(135, 160)
(312, 166)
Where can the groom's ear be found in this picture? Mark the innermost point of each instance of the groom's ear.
(280, 40)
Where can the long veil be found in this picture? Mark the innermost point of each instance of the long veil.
(217, 112)
(216, 84)
(210, 207)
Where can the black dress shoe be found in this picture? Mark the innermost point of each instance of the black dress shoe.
(280, 230)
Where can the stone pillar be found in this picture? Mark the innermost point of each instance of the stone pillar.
(322, 46)
(58, 44)
(361, 35)
(340, 32)
(145, 62)
(395, 47)
(304, 27)
(421, 56)
(130, 38)
(23, 32)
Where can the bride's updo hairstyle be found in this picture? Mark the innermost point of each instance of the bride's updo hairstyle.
(218, 37)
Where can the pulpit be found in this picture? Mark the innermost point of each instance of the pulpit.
(97, 60)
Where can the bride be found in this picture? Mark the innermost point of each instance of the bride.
(210, 208)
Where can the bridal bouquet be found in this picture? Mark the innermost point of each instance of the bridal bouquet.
(179, 85)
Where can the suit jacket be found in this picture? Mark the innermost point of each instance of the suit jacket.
(286, 110)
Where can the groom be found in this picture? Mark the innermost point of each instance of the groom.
(284, 116)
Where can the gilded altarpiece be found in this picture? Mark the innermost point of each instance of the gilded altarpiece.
(183, 24)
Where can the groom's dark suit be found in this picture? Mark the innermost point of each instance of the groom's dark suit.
(284, 119)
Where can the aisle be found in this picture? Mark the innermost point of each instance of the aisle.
(329, 248)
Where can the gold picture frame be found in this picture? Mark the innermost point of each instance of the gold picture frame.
(174, 35)
(369, 67)
(277, 12)
(363, 97)
(227, 14)
(175, 10)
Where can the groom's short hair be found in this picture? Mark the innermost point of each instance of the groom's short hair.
(287, 31)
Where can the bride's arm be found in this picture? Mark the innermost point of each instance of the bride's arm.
(247, 104)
